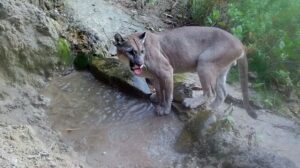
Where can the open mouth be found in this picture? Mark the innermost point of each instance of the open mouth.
(137, 70)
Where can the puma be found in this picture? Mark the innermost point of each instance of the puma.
(208, 51)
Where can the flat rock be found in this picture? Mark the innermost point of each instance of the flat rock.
(112, 72)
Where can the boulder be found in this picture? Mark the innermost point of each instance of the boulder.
(218, 143)
(112, 72)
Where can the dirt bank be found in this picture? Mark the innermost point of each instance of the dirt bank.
(28, 53)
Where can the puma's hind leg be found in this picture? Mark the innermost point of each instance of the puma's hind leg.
(220, 89)
(208, 81)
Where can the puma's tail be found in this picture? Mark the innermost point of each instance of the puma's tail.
(243, 69)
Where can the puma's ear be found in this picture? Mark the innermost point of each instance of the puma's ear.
(142, 37)
(118, 39)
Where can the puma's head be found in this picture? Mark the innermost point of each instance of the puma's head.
(131, 50)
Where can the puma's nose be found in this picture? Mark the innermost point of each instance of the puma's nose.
(138, 62)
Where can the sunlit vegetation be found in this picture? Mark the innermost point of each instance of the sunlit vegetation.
(270, 29)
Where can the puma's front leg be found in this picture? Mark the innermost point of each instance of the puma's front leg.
(155, 96)
(165, 92)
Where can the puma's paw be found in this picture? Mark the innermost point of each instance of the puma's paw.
(153, 98)
(160, 110)
(192, 102)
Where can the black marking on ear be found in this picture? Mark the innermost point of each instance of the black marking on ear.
(142, 37)
(118, 39)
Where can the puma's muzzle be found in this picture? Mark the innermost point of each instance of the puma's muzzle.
(132, 48)
(136, 68)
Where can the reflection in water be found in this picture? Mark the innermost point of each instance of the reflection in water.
(109, 128)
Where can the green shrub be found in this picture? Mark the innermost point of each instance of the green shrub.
(270, 29)
(208, 12)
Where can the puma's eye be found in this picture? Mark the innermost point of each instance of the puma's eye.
(142, 51)
(131, 52)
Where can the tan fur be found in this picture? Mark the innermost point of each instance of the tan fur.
(206, 50)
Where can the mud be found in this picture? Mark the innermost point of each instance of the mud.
(110, 128)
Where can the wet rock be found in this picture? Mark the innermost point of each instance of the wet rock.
(256, 158)
(218, 143)
(85, 44)
(216, 137)
(199, 122)
(182, 90)
(112, 72)
(85, 40)
(185, 86)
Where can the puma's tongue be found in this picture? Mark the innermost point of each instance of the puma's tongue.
(137, 70)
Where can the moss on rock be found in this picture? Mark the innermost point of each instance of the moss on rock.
(112, 68)
(81, 61)
(178, 78)
(64, 51)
